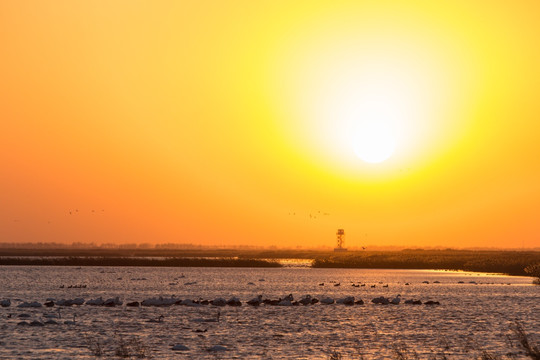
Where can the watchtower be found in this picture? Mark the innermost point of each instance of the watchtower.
(340, 238)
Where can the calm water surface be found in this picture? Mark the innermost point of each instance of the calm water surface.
(474, 316)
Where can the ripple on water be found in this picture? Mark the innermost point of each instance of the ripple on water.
(471, 317)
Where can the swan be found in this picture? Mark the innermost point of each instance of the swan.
(396, 300)
(33, 304)
(209, 320)
(159, 301)
(158, 320)
(271, 301)
(64, 302)
(151, 302)
(219, 302)
(113, 302)
(71, 322)
(348, 300)
(169, 301)
(234, 301)
(217, 348)
(285, 302)
(413, 302)
(381, 300)
(189, 302)
(255, 301)
(288, 297)
(53, 315)
(77, 301)
(180, 347)
(96, 302)
(306, 300)
(327, 301)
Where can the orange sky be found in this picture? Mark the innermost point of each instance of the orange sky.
(236, 123)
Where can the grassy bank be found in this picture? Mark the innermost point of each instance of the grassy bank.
(137, 261)
(506, 262)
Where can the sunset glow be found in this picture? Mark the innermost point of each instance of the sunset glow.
(270, 123)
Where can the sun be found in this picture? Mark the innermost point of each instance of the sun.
(373, 142)
(353, 98)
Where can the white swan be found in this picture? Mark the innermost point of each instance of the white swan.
(208, 320)
(255, 301)
(33, 304)
(306, 300)
(159, 301)
(77, 301)
(348, 300)
(285, 302)
(234, 301)
(396, 300)
(158, 320)
(327, 301)
(96, 302)
(217, 348)
(71, 322)
(53, 315)
(113, 302)
(180, 347)
(219, 302)
(380, 300)
(189, 302)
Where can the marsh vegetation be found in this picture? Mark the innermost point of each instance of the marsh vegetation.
(506, 262)
(137, 261)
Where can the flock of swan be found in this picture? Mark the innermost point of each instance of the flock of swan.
(307, 300)
(233, 301)
(160, 301)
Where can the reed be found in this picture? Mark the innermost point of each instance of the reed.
(136, 261)
(507, 262)
(534, 270)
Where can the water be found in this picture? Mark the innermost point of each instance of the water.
(472, 317)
